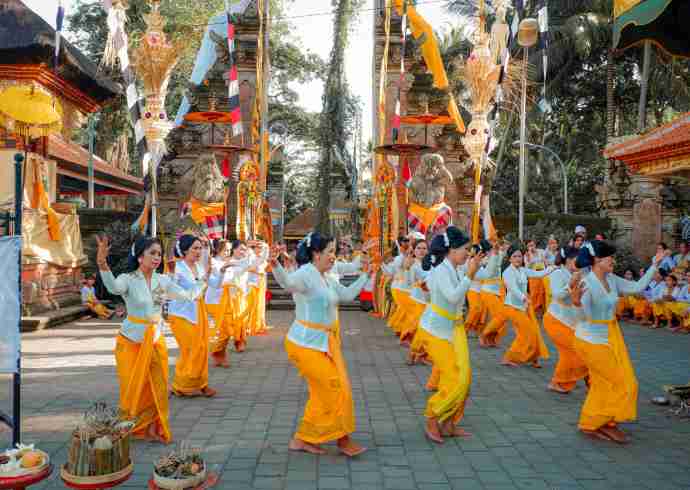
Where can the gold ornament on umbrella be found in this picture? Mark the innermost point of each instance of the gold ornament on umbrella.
(154, 60)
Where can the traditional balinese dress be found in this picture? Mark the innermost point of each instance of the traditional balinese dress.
(88, 298)
(442, 334)
(228, 304)
(189, 324)
(528, 346)
(493, 297)
(560, 322)
(400, 290)
(537, 292)
(419, 298)
(612, 395)
(477, 312)
(140, 352)
(313, 346)
(256, 297)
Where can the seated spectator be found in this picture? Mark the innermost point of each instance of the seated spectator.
(682, 259)
(626, 304)
(661, 299)
(643, 307)
(89, 299)
(667, 262)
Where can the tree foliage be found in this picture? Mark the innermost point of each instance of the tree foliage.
(576, 87)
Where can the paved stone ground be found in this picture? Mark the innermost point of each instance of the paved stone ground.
(524, 436)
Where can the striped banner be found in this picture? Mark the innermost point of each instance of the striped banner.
(116, 27)
(233, 84)
(58, 33)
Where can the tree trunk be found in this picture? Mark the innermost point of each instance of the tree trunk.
(642, 110)
(332, 123)
(610, 93)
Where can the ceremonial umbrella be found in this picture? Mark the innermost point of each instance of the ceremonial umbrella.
(29, 111)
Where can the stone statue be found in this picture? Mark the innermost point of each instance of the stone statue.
(429, 183)
(427, 212)
(207, 185)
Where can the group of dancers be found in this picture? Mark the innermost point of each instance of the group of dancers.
(430, 285)
(216, 294)
(574, 286)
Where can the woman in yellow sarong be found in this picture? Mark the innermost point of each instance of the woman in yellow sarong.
(419, 297)
(442, 332)
(493, 296)
(88, 299)
(560, 321)
(612, 395)
(535, 259)
(400, 290)
(140, 353)
(528, 346)
(313, 345)
(256, 285)
(189, 323)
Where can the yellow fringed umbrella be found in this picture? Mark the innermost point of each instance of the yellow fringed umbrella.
(29, 111)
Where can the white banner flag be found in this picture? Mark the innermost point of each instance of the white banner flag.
(10, 307)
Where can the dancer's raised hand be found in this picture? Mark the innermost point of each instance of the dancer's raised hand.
(103, 243)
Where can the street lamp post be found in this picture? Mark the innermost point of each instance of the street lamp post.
(564, 173)
(527, 37)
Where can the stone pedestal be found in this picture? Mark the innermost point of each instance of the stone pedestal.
(49, 287)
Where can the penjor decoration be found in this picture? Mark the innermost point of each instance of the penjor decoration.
(249, 202)
(154, 61)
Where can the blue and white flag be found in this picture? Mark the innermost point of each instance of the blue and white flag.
(58, 32)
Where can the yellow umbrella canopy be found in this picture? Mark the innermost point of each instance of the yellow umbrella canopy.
(29, 110)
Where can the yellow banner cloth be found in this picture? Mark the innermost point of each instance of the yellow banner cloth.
(201, 211)
(37, 243)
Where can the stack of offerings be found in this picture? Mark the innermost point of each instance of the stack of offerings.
(182, 468)
(99, 448)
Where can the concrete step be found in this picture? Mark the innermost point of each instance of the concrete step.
(53, 318)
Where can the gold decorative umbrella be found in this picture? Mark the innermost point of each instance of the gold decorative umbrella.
(29, 111)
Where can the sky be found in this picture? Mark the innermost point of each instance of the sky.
(315, 32)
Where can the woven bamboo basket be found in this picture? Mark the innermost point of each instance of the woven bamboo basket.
(179, 483)
(96, 480)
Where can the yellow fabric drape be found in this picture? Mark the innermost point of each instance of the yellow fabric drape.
(329, 413)
(622, 6)
(40, 200)
(569, 367)
(142, 369)
(201, 211)
(453, 361)
(425, 215)
(191, 370)
(37, 243)
(612, 395)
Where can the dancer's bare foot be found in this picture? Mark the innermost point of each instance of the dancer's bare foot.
(433, 431)
(208, 392)
(536, 365)
(557, 389)
(596, 434)
(349, 447)
(297, 445)
(508, 363)
(449, 429)
(240, 346)
(153, 436)
(615, 434)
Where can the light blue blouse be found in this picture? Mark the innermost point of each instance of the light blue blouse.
(516, 281)
(185, 278)
(395, 269)
(316, 299)
(416, 275)
(448, 287)
(562, 307)
(492, 283)
(599, 304)
(146, 303)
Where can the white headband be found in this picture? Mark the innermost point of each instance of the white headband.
(446, 241)
(133, 253)
(177, 248)
(563, 252)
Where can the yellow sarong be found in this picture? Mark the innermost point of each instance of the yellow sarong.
(570, 367)
(191, 370)
(528, 345)
(612, 395)
(329, 413)
(142, 369)
(452, 360)
(222, 322)
(496, 329)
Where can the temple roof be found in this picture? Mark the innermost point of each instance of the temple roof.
(26, 39)
(662, 150)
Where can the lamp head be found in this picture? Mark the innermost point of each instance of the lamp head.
(528, 32)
